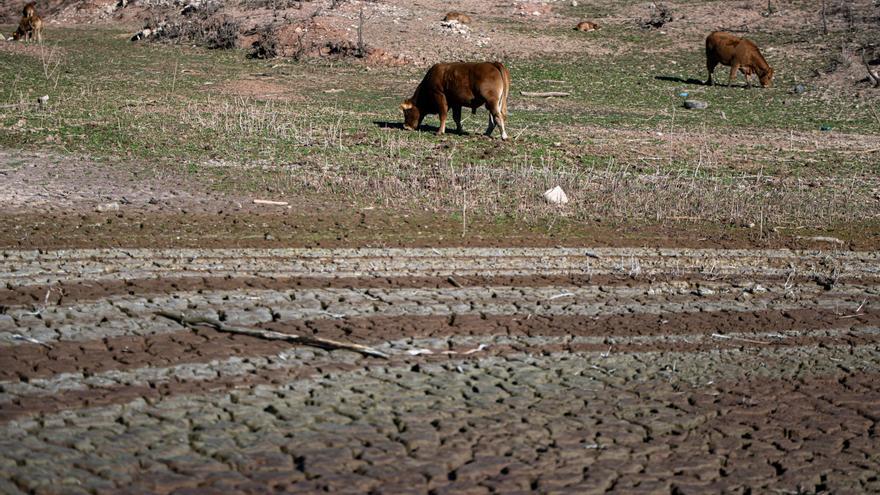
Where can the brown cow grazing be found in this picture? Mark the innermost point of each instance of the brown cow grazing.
(738, 53)
(457, 16)
(29, 28)
(457, 85)
(31, 25)
(587, 26)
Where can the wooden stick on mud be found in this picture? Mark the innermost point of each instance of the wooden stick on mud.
(194, 321)
(739, 339)
(544, 94)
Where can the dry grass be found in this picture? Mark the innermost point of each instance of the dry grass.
(616, 193)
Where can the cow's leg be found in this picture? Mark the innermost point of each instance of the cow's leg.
(444, 111)
(456, 116)
(710, 65)
(496, 117)
(491, 126)
(733, 69)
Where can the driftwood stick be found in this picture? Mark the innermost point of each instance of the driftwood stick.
(544, 94)
(193, 321)
(739, 339)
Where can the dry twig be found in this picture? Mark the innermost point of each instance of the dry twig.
(740, 339)
(194, 321)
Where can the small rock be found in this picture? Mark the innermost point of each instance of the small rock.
(269, 237)
(695, 105)
(704, 291)
(556, 196)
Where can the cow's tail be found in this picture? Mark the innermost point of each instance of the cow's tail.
(505, 77)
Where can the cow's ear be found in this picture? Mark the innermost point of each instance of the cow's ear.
(406, 105)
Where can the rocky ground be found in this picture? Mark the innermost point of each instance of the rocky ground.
(511, 370)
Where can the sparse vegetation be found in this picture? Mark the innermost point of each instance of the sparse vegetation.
(621, 145)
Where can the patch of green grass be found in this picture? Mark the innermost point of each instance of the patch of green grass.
(182, 106)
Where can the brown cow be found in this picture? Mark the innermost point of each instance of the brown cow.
(458, 16)
(29, 28)
(457, 85)
(738, 53)
(587, 26)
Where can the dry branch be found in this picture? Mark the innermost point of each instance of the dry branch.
(544, 94)
(738, 339)
(194, 321)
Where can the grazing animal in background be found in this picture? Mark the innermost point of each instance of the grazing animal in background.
(457, 85)
(29, 28)
(587, 26)
(739, 54)
(457, 16)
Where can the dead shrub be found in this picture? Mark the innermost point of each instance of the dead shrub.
(660, 15)
(266, 45)
(220, 32)
(204, 26)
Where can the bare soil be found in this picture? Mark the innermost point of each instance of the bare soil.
(775, 392)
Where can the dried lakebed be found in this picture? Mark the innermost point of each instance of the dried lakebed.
(511, 370)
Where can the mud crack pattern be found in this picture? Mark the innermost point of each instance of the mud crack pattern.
(511, 371)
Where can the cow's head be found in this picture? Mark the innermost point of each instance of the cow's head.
(767, 78)
(411, 116)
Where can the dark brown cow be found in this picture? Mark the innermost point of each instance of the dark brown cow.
(458, 85)
(738, 53)
(29, 28)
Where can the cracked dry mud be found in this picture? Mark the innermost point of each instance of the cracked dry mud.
(511, 371)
